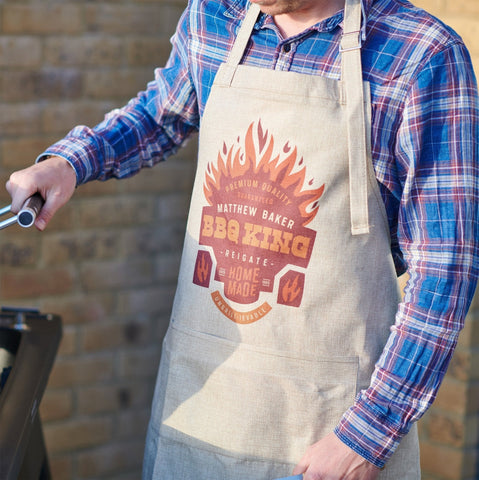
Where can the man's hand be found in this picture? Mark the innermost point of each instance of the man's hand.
(53, 178)
(331, 459)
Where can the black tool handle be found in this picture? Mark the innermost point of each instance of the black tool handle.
(31, 208)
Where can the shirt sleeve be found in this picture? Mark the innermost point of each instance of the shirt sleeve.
(148, 129)
(437, 159)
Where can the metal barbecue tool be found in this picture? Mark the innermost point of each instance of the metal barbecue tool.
(26, 216)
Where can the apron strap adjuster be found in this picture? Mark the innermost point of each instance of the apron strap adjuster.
(351, 41)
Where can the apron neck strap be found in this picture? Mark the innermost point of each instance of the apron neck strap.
(352, 24)
(352, 79)
(244, 34)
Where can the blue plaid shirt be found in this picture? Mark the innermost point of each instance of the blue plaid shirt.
(425, 132)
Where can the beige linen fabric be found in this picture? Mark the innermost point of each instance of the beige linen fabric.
(287, 288)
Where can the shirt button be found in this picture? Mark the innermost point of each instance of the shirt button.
(286, 47)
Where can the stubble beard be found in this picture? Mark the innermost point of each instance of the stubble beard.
(279, 7)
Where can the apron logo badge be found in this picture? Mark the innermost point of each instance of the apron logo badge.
(259, 203)
(203, 268)
(291, 288)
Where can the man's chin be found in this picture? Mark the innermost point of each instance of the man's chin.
(276, 7)
(270, 7)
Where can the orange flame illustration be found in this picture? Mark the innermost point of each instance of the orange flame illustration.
(203, 270)
(257, 159)
(291, 290)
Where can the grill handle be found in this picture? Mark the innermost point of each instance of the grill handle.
(31, 208)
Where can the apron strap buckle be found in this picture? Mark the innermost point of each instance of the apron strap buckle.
(351, 41)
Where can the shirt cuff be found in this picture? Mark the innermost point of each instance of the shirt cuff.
(80, 151)
(369, 432)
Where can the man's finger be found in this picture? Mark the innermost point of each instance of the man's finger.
(301, 467)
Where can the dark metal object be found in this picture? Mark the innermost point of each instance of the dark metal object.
(27, 215)
(28, 345)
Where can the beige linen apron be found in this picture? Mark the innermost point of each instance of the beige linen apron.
(287, 288)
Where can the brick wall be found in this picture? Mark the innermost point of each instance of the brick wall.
(108, 262)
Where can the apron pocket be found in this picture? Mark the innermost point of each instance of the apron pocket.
(237, 400)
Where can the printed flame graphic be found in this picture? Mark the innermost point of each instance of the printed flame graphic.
(203, 270)
(291, 290)
(258, 159)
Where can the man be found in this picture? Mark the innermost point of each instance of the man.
(289, 348)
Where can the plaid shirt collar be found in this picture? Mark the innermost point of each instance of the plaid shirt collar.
(237, 10)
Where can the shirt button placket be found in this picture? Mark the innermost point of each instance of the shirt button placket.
(285, 56)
